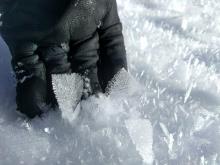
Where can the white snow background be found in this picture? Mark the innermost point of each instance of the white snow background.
(173, 52)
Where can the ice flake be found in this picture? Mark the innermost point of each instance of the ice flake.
(189, 90)
(165, 130)
(142, 136)
(68, 90)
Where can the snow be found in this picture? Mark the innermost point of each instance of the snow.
(173, 52)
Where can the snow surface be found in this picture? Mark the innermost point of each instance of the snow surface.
(173, 51)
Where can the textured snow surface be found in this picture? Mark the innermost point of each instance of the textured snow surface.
(173, 52)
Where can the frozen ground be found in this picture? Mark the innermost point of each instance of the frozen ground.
(173, 51)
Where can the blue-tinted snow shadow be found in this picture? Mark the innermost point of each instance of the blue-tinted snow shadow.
(7, 83)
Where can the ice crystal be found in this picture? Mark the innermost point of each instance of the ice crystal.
(68, 91)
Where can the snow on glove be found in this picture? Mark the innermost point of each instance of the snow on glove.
(91, 83)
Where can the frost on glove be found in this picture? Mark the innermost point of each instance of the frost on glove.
(91, 83)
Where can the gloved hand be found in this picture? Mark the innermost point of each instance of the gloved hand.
(56, 62)
(33, 66)
(91, 28)
(31, 87)
(91, 84)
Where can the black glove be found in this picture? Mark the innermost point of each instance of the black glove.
(55, 58)
(31, 87)
(5, 5)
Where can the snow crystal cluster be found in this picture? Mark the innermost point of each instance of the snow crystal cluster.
(173, 50)
(167, 114)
